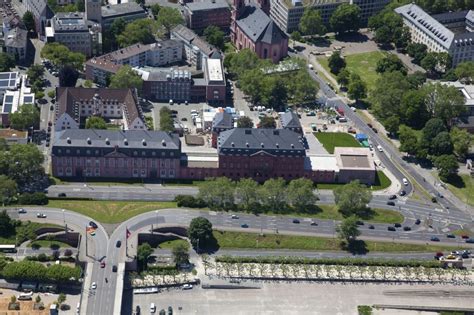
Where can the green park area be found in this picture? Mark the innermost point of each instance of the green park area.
(172, 244)
(330, 140)
(227, 239)
(363, 64)
(463, 188)
(106, 211)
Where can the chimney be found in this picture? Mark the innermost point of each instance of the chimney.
(89, 141)
(68, 140)
(125, 141)
(107, 141)
(144, 142)
(163, 142)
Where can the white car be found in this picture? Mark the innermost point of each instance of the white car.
(234, 216)
(187, 286)
(94, 286)
(379, 147)
(21, 210)
(405, 181)
(353, 108)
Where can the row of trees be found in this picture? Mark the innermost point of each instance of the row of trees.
(35, 271)
(352, 82)
(166, 119)
(263, 85)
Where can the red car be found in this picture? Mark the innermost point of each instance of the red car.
(102, 264)
(464, 236)
(438, 255)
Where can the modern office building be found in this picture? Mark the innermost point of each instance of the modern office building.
(74, 105)
(450, 32)
(129, 11)
(16, 43)
(75, 32)
(166, 84)
(196, 50)
(159, 54)
(201, 14)
(252, 28)
(287, 14)
(16, 94)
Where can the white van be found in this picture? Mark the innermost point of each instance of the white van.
(405, 181)
(379, 147)
(152, 308)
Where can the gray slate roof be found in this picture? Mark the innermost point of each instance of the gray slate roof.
(16, 37)
(109, 11)
(447, 16)
(153, 139)
(251, 141)
(207, 5)
(181, 32)
(222, 120)
(290, 120)
(258, 26)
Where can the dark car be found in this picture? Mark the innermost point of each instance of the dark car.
(390, 203)
(451, 236)
(435, 239)
(464, 236)
(245, 225)
(62, 195)
(184, 119)
(114, 268)
(313, 223)
(470, 240)
(406, 228)
(391, 228)
(92, 224)
(403, 193)
(392, 197)
(370, 125)
(418, 221)
(438, 255)
(118, 244)
(375, 130)
(296, 221)
(371, 227)
(397, 225)
(170, 310)
(358, 222)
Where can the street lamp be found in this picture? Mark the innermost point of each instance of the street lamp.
(64, 220)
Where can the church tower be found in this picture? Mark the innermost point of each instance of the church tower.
(237, 8)
(93, 10)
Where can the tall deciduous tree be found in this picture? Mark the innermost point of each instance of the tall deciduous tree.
(168, 18)
(300, 194)
(387, 94)
(336, 62)
(180, 253)
(348, 229)
(444, 102)
(461, 142)
(343, 78)
(8, 189)
(311, 22)
(244, 122)
(144, 251)
(447, 166)
(60, 56)
(68, 76)
(28, 116)
(357, 88)
(274, 195)
(138, 31)
(352, 198)
(346, 18)
(246, 192)
(96, 122)
(200, 233)
(126, 78)
(390, 63)
(408, 140)
(267, 122)
(29, 21)
(416, 51)
(214, 36)
(465, 71)
(218, 193)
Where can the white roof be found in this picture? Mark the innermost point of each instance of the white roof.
(321, 163)
(466, 89)
(214, 69)
(208, 116)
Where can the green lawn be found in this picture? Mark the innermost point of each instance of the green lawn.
(463, 189)
(254, 240)
(48, 244)
(106, 211)
(173, 243)
(22, 232)
(330, 140)
(381, 182)
(363, 64)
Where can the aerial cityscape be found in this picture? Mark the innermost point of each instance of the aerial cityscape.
(236, 157)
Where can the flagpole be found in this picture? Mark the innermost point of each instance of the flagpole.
(126, 241)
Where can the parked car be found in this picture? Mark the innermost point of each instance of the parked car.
(451, 236)
(359, 222)
(371, 227)
(93, 224)
(405, 181)
(60, 194)
(187, 286)
(94, 286)
(379, 147)
(118, 244)
(464, 236)
(313, 127)
(403, 193)
(470, 240)
(137, 310)
(370, 126)
(170, 310)
(418, 221)
(374, 130)
(114, 268)
(102, 264)
(313, 223)
(234, 216)
(435, 239)
(390, 203)
(438, 255)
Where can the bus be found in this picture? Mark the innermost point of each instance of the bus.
(8, 248)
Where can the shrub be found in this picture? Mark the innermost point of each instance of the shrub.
(37, 198)
(189, 201)
(68, 252)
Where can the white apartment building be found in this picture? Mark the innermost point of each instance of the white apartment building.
(448, 32)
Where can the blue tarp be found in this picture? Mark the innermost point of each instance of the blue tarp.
(361, 137)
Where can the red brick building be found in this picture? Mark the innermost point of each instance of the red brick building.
(201, 14)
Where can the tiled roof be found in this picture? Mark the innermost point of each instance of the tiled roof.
(290, 120)
(16, 37)
(250, 141)
(110, 11)
(192, 38)
(222, 120)
(258, 26)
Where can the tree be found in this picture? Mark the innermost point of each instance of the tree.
(408, 140)
(7, 227)
(311, 22)
(155, 10)
(274, 93)
(217, 193)
(343, 78)
(267, 122)
(251, 83)
(246, 192)
(346, 18)
(244, 122)
(144, 251)
(295, 36)
(387, 94)
(391, 124)
(96, 122)
(168, 18)
(23, 163)
(301, 87)
(416, 51)
(390, 63)
(29, 21)
(461, 140)
(274, 195)
(139, 31)
(465, 71)
(166, 120)
(6, 62)
(447, 166)
(61, 298)
(180, 253)
(8, 189)
(352, 198)
(28, 116)
(336, 62)
(242, 61)
(126, 78)
(348, 229)
(401, 37)
(214, 36)
(60, 56)
(416, 79)
(68, 76)
(300, 194)
(441, 144)
(429, 62)
(383, 35)
(444, 102)
(413, 109)
(200, 233)
(357, 88)
(140, 2)
(432, 128)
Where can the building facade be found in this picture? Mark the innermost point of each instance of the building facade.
(16, 43)
(448, 32)
(74, 105)
(222, 121)
(199, 15)
(129, 11)
(195, 49)
(253, 29)
(159, 54)
(287, 14)
(289, 120)
(166, 84)
(41, 13)
(115, 154)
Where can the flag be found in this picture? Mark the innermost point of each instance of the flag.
(127, 233)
